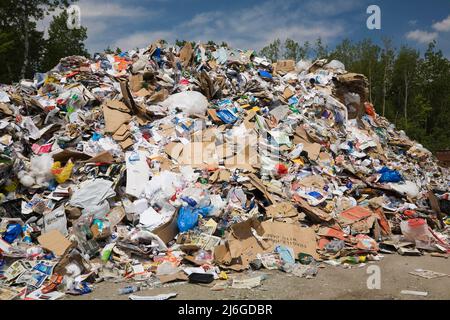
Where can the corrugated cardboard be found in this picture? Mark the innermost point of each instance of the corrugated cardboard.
(301, 240)
(285, 66)
(55, 242)
(242, 247)
(114, 116)
(102, 157)
(168, 231)
(199, 154)
(281, 210)
(186, 54)
(315, 214)
(353, 215)
(136, 82)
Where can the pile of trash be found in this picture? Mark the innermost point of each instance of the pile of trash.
(195, 164)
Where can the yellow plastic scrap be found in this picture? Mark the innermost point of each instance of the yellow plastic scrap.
(329, 207)
(299, 161)
(62, 174)
(50, 79)
(11, 186)
(223, 275)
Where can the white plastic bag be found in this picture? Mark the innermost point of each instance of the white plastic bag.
(335, 65)
(189, 102)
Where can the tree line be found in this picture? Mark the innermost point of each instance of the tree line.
(410, 89)
(24, 50)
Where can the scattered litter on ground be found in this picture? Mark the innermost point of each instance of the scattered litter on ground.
(414, 293)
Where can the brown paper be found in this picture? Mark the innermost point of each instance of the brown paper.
(55, 242)
(114, 118)
(103, 157)
(281, 210)
(186, 54)
(67, 154)
(136, 82)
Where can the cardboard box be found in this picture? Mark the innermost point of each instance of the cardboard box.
(168, 231)
(55, 242)
(285, 66)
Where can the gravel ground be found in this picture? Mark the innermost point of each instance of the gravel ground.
(331, 283)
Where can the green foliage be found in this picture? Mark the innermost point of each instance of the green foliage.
(13, 59)
(6, 41)
(63, 42)
(320, 49)
(272, 51)
(22, 54)
(292, 49)
(180, 43)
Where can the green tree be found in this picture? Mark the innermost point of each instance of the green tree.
(21, 16)
(63, 42)
(345, 53)
(291, 49)
(272, 51)
(304, 51)
(435, 88)
(320, 49)
(387, 62)
(180, 43)
(404, 79)
(6, 41)
(109, 50)
(12, 60)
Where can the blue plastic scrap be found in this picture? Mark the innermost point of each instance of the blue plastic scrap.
(13, 230)
(265, 74)
(388, 175)
(188, 217)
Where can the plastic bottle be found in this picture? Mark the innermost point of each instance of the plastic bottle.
(129, 289)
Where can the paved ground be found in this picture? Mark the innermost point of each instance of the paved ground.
(330, 283)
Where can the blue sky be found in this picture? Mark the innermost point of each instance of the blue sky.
(251, 24)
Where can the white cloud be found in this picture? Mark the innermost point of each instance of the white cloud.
(331, 8)
(421, 36)
(141, 39)
(249, 27)
(105, 9)
(257, 26)
(443, 25)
